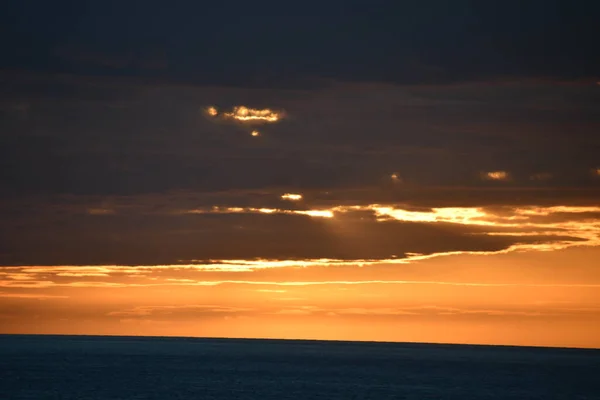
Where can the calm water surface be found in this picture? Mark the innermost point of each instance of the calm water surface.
(93, 368)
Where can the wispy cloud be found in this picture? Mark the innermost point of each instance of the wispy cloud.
(188, 309)
(33, 296)
(263, 210)
(290, 283)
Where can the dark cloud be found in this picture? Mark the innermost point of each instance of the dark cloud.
(168, 236)
(104, 136)
(110, 137)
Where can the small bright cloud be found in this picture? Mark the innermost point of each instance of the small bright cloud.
(212, 111)
(246, 115)
(316, 213)
(495, 175)
(291, 196)
(396, 177)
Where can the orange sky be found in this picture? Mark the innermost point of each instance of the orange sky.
(491, 299)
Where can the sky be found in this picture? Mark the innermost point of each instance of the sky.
(384, 170)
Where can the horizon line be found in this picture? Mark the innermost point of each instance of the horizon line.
(223, 338)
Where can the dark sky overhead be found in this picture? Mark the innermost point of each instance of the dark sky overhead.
(296, 134)
(278, 44)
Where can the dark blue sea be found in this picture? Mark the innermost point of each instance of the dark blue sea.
(132, 368)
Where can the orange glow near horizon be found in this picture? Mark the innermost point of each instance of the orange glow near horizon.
(540, 287)
(495, 305)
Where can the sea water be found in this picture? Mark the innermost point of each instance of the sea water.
(95, 367)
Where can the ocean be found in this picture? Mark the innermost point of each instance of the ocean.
(132, 368)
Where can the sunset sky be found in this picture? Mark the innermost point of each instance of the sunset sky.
(384, 170)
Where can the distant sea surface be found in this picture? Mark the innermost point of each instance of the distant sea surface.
(132, 368)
